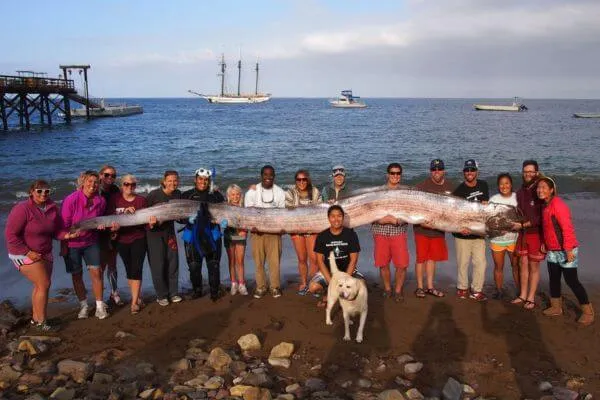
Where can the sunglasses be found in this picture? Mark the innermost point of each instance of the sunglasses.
(395, 173)
(342, 170)
(132, 184)
(301, 179)
(470, 170)
(42, 191)
(107, 175)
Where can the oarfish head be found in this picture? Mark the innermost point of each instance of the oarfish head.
(501, 219)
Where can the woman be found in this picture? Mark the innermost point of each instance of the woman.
(505, 244)
(561, 246)
(131, 241)
(82, 204)
(343, 242)
(304, 194)
(163, 256)
(235, 244)
(30, 228)
(108, 250)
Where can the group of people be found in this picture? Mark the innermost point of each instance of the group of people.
(546, 232)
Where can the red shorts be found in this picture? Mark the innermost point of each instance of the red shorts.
(530, 245)
(390, 248)
(430, 248)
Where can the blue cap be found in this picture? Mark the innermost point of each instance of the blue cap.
(437, 164)
(470, 164)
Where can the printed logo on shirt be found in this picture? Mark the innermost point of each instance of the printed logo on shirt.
(475, 195)
(120, 210)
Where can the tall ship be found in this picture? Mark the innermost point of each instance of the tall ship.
(231, 98)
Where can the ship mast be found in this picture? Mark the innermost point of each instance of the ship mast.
(239, 75)
(256, 69)
(222, 74)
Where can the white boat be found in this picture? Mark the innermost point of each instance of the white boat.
(108, 110)
(586, 115)
(516, 106)
(347, 100)
(239, 98)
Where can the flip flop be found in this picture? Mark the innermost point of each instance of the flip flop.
(518, 300)
(420, 293)
(529, 305)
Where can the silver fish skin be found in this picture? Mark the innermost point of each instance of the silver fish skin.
(443, 212)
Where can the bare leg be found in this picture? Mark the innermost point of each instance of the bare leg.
(534, 279)
(79, 286)
(524, 279)
(239, 250)
(514, 264)
(313, 266)
(400, 278)
(430, 270)
(37, 273)
(419, 273)
(135, 286)
(299, 243)
(97, 282)
(231, 261)
(498, 257)
(386, 277)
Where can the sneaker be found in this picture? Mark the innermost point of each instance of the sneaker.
(84, 312)
(44, 326)
(116, 299)
(276, 292)
(478, 296)
(258, 293)
(234, 288)
(498, 295)
(242, 289)
(176, 299)
(101, 312)
(462, 293)
(163, 302)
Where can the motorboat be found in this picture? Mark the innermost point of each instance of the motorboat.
(586, 115)
(516, 106)
(347, 100)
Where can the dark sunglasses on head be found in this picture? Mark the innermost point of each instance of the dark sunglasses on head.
(395, 173)
(132, 184)
(107, 175)
(301, 179)
(42, 191)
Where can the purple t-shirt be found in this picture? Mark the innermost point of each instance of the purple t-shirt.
(75, 208)
(117, 205)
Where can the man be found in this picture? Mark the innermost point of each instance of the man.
(430, 243)
(389, 242)
(266, 247)
(529, 241)
(338, 189)
(203, 191)
(471, 248)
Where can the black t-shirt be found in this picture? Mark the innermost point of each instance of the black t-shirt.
(478, 193)
(157, 196)
(341, 245)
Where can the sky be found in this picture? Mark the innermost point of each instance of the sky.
(309, 48)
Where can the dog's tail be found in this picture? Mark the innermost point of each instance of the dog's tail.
(332, 263)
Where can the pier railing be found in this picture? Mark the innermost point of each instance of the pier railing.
(17, 84)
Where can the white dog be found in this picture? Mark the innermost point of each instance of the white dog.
(352, 294)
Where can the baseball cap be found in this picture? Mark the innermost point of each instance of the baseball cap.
(437, 164)
(338, 170)
(470, 164)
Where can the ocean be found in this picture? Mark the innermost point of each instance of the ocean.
(186, 134)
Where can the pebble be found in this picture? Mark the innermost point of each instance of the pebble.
(63, 393)
(146, 394)
(400, 381)
(292, 388)
(280, 362)
(238, 390)
(452, 389)
(249, 342)
(196, 353)
(381, 368)
(404, 358)
(315, 384)
(123, 334)
(219, 359)
(77, 370)
(414, 394)
(282, 350)
(364, 383)
(198, 342)
(413, 367)
(392, 394)
(182, 365)
(214, 383)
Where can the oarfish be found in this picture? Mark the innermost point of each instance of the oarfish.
(443, 212)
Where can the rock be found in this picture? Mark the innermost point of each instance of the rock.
(286, 396)
(282, 350)
(147, 394)
(35, 396)
(254, 393)
(346, 384)
(452, 390)
(78, 371)
(545, 386)
(28, 347)
(196, 353)
(404, 358)
(315, 384)
(392, 394)
(413, 367)
(123, 335)
(561, 393)
(181, 365)
(198, 342)
(198, 395)
(214, 383)
(8, 375)
(294, 387)
(41, 339)
(400, 381)
(45, 368)
(197, 382)
(280, 362)
(364, 383)
(575, 383)
(249, 342)
(414, 394)
(239, 390)
(316, 368)
(63, 393)
(320, 395)
(381, 368)
(9, 316)
(219, 359)
(101, 378)
(361, 395)
(182, 389)
(467, 389)
(237, 367)
(31, 380)
(260, 379)
(22, 388)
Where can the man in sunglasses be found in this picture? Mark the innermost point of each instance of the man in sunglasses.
(389, 242)
(338, 189)
(430, 243)
(204, 191)
(266, 247)
(471, 248)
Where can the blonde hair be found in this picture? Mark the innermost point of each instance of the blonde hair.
(105, 167)
(126, 177)
(234, 188)
(83, 177)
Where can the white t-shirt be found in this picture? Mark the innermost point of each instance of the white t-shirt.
(509, 237)
(265, 198)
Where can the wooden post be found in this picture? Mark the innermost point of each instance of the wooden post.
(3, 114)
(67, 109)
(48, 110)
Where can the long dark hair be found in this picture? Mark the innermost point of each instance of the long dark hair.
(309, 187)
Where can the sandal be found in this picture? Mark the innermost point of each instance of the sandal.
(135, 308)
(399, 298)
(420, 293)
(303, 290)
(387, 294)
(529, 305)
(434, 292)
(518, 300)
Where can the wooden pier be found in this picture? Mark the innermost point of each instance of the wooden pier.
(30, 95)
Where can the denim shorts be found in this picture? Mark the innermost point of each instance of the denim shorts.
(74, 259)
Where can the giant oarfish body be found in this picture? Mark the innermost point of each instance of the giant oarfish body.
(447, 213)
